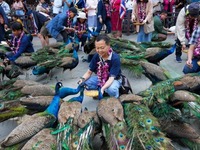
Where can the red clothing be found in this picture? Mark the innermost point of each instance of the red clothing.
(115, 17)
(168, 6)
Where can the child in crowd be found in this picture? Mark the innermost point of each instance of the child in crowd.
(19, 43)
(81, 27)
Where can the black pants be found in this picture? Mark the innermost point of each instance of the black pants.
(178, 48)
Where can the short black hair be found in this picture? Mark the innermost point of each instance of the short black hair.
(16, 26)
(103, 37)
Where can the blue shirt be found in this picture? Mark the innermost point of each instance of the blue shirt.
(114, 65)
(195, 36)
(24, 46)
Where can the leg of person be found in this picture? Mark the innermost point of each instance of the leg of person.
(44, 33)
(92, 83)
(108, 25)
(64, 35)
(159, 37)
(140, 36)
(195, 67)
(178, 51)
(113, 90)
(2, 33)
(59, 38)
(99, 26)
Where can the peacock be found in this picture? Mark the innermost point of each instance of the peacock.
(114, 127)
(42, 140)
(36, 122)
(70, 62)
(66, 91)
(67, 118)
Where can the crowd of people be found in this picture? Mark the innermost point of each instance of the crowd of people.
(67, 20)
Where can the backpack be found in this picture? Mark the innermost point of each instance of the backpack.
(126, 86)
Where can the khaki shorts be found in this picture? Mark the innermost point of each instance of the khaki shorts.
(43, 30)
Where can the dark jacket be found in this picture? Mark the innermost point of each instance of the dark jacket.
(2, 30)
(40, 19)
(25, 46)
(101, 10)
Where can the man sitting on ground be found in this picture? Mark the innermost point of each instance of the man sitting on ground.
(160, 33)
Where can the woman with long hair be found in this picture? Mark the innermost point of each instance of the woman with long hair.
(142, 14)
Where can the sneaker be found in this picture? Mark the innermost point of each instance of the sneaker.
(178, 59)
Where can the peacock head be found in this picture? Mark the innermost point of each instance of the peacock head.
(58, 86)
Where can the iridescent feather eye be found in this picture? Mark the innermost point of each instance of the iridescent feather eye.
(122, 147)
(156, 140)
(121, 137)
(161, 139)
(149, 121)
(75, 144)
(148, 147)
(120, 125)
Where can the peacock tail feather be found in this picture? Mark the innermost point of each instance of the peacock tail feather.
(116, 136)
(161, 90)
(166, 112)
(155, 44)
(13, 112)
(193, 145)
(143, 127)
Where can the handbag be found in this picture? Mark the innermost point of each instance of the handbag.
(126, 86)
(149, 26)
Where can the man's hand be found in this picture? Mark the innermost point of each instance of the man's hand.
(189, 63)
(183, 47)
(100, 20)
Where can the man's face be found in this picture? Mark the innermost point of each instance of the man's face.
(101, 48)
(163, 16)
(16, 32)
(71, 14)
(1, 1)
(42, 1)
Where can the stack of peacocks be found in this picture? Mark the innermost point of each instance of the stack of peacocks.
(36, 122)
(176, 106)
(50, 57)
(13, 90)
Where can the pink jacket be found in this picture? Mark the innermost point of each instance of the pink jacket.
(149, 12)
(167, 4)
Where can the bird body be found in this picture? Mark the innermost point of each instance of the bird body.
(36, 122)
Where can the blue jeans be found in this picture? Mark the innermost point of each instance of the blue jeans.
(113, 90)
(142, 36)
(195, 67)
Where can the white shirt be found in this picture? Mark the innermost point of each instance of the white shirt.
(57, 6)
(129, 5)
(91, 6)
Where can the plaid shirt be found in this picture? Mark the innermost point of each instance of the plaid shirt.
(195, 37)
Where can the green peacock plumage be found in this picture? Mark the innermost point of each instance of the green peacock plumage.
(143, 127)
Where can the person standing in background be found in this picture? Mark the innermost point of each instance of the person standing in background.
(5, 7)
(67, 4)
(186, 23)
(18, 7)
(116, 21)
(57, 7)
(142, 14)
(91, 9)
(3, 23)
(157, 6)
(104, 15)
